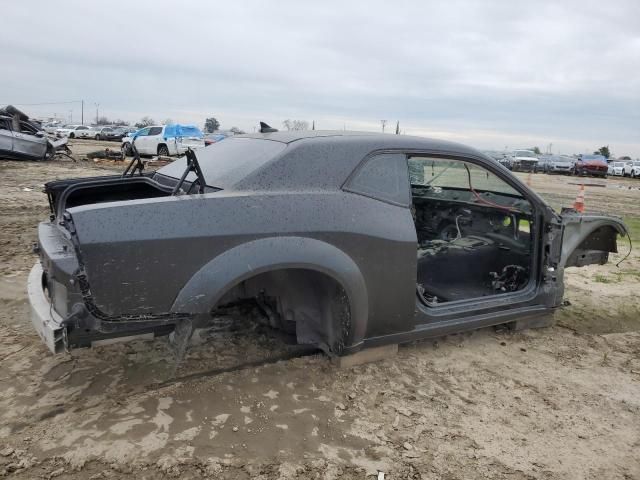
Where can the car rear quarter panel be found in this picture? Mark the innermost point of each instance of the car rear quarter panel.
(139, 255)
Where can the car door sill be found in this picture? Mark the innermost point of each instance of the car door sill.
(446, 327)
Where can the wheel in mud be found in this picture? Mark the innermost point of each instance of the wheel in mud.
(163, 151)
(126, 150)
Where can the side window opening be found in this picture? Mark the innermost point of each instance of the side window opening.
(475, 231)
(383, 177)
(26, 128)
(154, 131)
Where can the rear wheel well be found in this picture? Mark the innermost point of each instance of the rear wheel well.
(162, 146)
(309, 303)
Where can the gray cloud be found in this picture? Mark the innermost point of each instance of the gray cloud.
(488, 73)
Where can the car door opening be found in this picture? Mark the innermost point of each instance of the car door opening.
(475, 232)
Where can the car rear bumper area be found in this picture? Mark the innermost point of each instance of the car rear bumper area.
(44, 318)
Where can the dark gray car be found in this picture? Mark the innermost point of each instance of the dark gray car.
(345, 240)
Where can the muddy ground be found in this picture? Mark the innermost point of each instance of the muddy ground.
(555, 403)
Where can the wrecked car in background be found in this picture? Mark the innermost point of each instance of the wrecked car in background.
(164, 140)
(524, 161)
(342, 240)
(22, 139)
(595, 165)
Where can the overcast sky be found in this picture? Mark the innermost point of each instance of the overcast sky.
(490, 74)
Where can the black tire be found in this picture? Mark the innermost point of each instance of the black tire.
(126, 149)
(72, 135)
(163, 150)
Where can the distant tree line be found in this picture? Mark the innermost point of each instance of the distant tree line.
(106, 121)
(295, 124)
(212, 125)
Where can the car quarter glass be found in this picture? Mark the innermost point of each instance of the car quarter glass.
(384, 177)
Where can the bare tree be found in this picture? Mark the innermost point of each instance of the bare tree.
(384, 124)
(103, 121)
(211, 124)
(145, 122)
(167, 121)
(236, 131)
(296, 124)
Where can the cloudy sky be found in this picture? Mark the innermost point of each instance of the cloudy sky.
(490, 74)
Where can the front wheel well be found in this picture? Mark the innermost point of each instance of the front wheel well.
(309, 302)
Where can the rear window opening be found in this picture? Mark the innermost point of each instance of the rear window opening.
(227, 162)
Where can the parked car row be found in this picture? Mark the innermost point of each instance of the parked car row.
(98, 132)
(583, 164)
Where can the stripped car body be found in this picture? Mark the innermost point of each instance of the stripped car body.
(346, 240)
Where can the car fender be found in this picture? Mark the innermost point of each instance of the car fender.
(208, 285)
(588, 239)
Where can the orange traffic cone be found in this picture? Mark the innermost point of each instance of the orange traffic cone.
(579, 203)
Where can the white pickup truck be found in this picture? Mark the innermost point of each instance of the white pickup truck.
(165, 140)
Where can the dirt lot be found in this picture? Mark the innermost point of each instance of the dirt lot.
(561, 402)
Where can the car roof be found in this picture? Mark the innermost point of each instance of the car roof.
(371, 140)
(323, 159)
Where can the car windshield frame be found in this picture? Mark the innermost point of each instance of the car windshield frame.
(524, 153)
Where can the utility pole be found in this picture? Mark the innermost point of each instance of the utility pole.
(383, 123)
(82, 114)
(97, 107)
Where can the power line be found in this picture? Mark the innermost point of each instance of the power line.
(38, 104)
